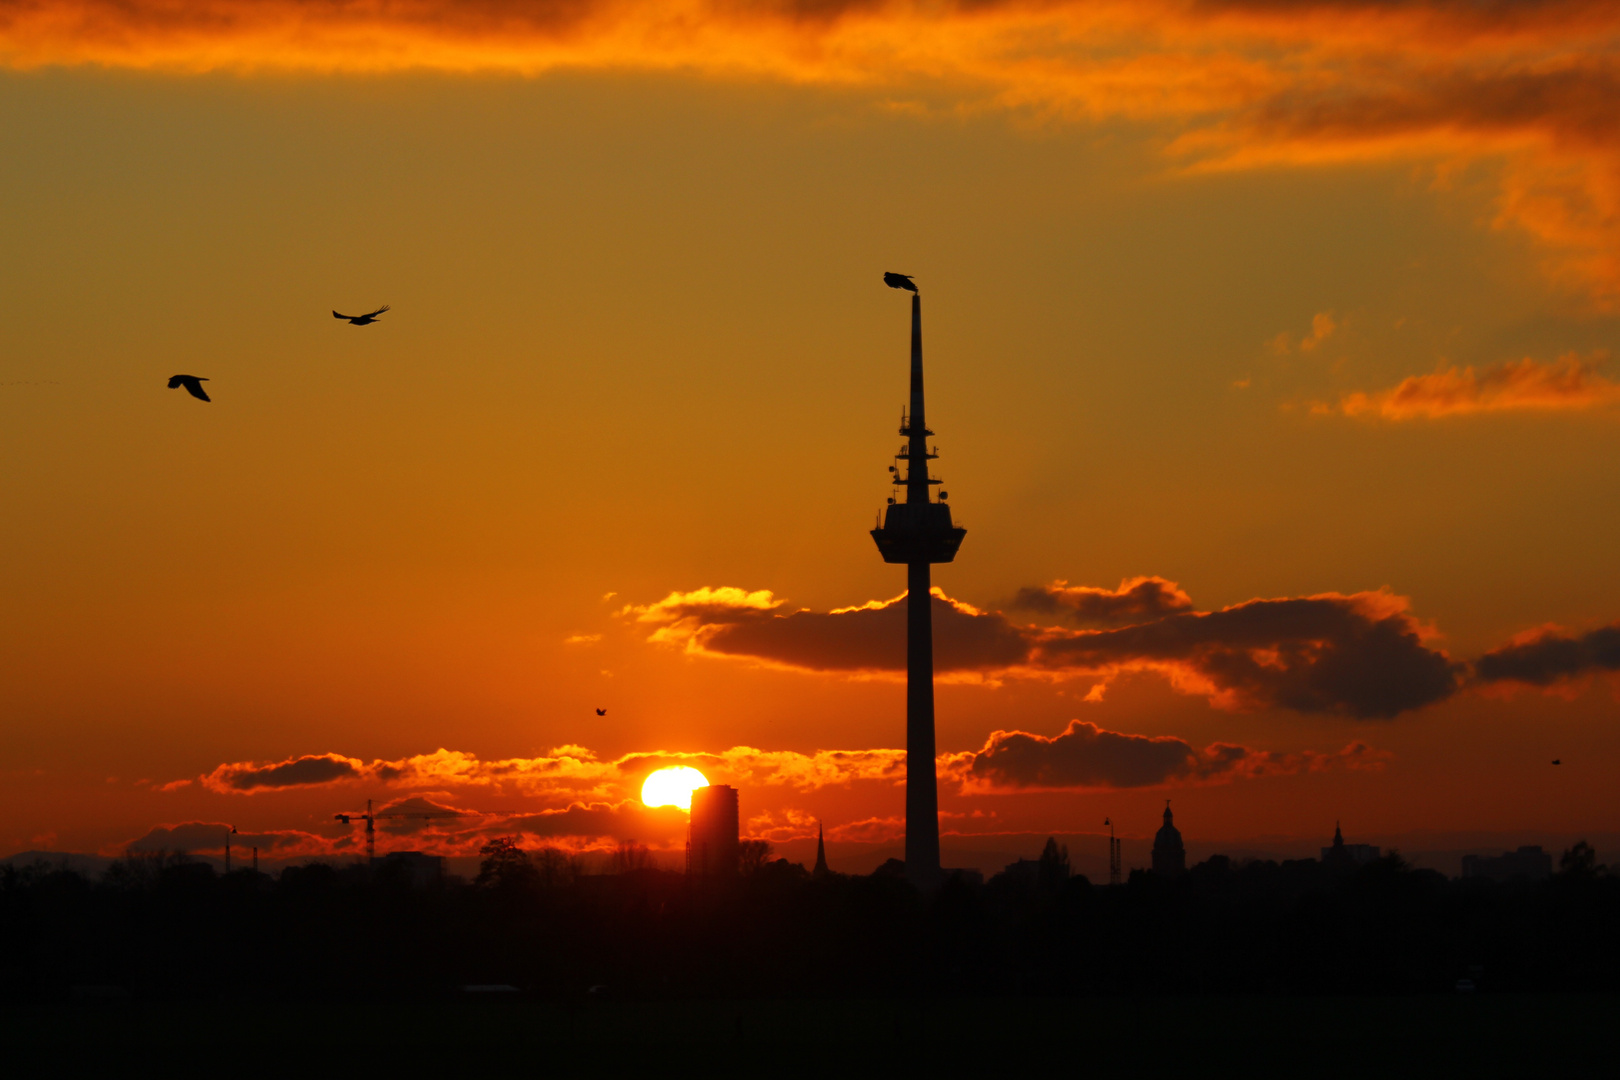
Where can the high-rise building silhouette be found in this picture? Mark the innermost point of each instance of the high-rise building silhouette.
(821, 853)
(712, 833)
(916, 530)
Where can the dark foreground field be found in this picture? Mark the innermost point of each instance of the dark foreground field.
(1437, 1035)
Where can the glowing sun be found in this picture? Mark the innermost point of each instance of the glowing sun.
(672, 787)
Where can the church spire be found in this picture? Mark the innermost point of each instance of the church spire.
(821, 853)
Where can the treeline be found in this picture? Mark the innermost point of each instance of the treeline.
(166, 925)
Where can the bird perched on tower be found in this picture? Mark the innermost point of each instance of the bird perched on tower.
(362, 320)
(899, 281)
(193, 385)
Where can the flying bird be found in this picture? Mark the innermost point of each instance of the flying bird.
(361, 320)
(1557, 762)
(899, 281)
(601, 712)
(193, 385)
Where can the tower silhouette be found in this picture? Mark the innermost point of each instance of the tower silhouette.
(917, 531)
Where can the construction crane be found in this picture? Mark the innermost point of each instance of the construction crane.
(370, 818)
(1113, 853)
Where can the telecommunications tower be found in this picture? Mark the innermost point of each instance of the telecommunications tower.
(916, 529)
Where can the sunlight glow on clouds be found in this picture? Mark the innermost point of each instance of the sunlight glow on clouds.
(1568, 383)
(1240, 84)
(1083, 757)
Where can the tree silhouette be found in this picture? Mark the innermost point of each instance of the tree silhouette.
(752, 854)
(1579, 861)
(505, 865)
(556, 868)
(631, 856)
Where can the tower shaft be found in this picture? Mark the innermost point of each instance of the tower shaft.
(918, 532)
(922, 784)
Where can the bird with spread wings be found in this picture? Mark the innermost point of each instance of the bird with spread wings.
(193, 385)
(361, 320)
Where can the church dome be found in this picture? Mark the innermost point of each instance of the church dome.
(1168, 836)
(1169, 856)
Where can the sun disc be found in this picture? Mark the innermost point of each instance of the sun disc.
(672, 786)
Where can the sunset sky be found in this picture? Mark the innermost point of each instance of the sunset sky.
(1269, 348)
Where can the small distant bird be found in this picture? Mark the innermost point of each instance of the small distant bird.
(899, 281)
(1557, 762)
(193, 385)
(362, 320)
(601, 712)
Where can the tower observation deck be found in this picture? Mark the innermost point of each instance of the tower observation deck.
(916, 529)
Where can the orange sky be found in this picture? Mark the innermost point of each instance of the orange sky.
(1268, 347)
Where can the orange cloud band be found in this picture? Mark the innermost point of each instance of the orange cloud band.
(1526, 385)
(1083, 756)
(566, 774)
(1243, 83)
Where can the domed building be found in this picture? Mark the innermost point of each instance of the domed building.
(1169, 856)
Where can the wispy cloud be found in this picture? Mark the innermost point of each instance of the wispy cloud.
(1322, 328)
(1568, 383)
(1242, 83)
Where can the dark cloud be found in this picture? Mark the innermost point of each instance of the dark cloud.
(210, 836)
(1083, 756)
(451, 831)
(735, 622)
(311, 769)
(1360, 655)
(1550, 656)
(1087, 756)
(873, 638)
(1137, 599)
